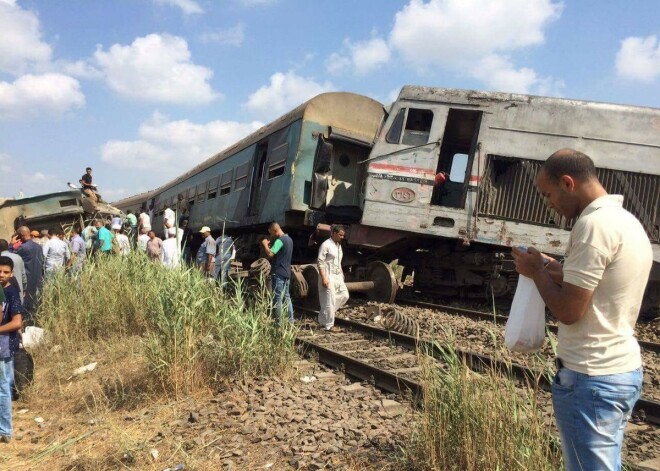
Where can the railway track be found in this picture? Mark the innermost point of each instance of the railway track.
(499, 319)
(396, 383)
(389, 360)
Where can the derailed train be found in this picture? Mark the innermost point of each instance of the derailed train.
(442, 181)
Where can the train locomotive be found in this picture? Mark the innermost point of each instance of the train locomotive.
(442, 181)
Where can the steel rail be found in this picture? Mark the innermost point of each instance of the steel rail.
(499, 319)
(382, 379)
(647, 408)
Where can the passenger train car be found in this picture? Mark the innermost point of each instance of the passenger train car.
(443, 182)
(308, 158)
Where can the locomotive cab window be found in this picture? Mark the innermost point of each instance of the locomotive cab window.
(417, 127)
(458, 168)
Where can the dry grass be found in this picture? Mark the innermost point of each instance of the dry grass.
(477, 422)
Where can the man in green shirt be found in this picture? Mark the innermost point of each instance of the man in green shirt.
(132, 222)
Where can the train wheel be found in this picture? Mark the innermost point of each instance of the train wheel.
(311, 275)
(385, 285)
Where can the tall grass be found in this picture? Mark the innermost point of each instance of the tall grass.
(471, 421)
(193, 334)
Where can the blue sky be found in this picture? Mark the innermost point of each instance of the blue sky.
(142, 90)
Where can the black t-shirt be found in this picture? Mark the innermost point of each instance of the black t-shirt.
(87, 180)
(281, 263)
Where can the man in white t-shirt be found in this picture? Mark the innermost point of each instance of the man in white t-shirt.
(168, 221)
(596, 297)
(144, 221)
(143, 240)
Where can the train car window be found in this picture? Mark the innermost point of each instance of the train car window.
(213, 188)
(458, 168)
(418, 127)
(201, 192)
(394, 134)
(277, 161)
(225, 182)
(70, 202)
(241, 176)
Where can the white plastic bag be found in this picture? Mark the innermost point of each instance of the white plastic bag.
(525, 329)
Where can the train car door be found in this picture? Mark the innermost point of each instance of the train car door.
(257, 179)
(459, 144)
(338, 177)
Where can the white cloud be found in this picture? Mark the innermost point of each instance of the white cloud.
(286, 91)
(156, 68)
(364, 56)
(498, 73)
(21, 47)
(166, 148)
(189, 7)
(639, 59)
(79, 69)
(442, 32)
(477, 38)
(337, 63)
(32, 95)
(369, 55)
(233, 36)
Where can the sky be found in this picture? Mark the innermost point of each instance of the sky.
(143, 90)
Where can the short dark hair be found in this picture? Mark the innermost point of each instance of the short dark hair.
(88, 168)
(337, 228)
(4, 245)
(7, 262)
(572, 163)
(75, 229)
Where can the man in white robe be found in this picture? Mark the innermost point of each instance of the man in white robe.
(332, 289)
(170, 254)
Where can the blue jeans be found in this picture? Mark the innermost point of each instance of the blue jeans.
(6, 377)
(592, 413)
(281, 297)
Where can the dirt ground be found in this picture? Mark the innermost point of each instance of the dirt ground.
(107, 419)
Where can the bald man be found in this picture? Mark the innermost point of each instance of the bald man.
(596, 297)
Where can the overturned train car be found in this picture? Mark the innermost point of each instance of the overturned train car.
(489, 147)
(49, 211)
(443, 183)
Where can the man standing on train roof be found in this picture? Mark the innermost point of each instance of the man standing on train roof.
(206, 253)
(280, 273)
(88, 187)
(333, 293)
(596, 297)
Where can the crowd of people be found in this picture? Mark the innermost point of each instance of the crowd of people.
(596, 294)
